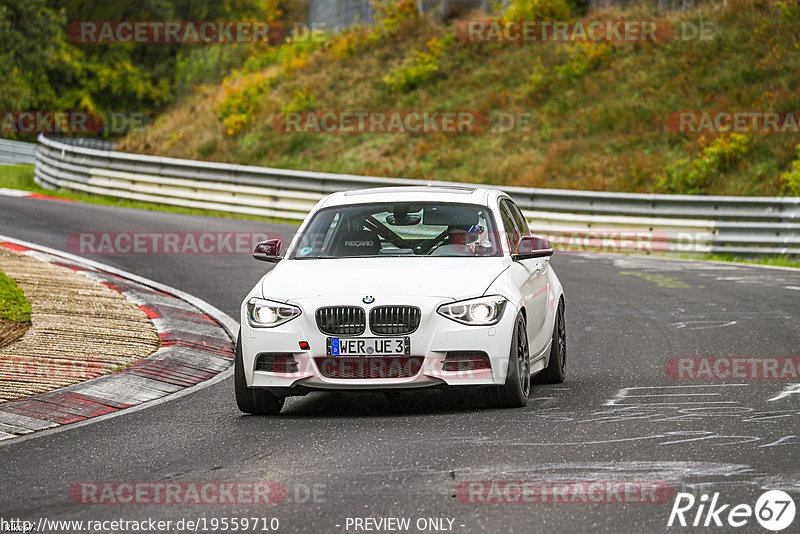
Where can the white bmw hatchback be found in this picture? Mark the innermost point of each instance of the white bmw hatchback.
(403, 287)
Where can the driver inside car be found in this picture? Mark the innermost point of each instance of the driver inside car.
(472, 241)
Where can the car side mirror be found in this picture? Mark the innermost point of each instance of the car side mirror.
(269, 251)
(533, 247)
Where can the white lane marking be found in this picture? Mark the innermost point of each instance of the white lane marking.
(672, 438)
(599, 442)
(674, 395)
(778, 442)
(662, 387)
(14, 193)
(793, 287)
(741, 439)
(789, 390)
(641, 396)
(702, 325)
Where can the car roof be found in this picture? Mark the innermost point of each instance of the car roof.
(463, 194)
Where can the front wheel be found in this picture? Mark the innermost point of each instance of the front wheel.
(252, 400)
(514, 393)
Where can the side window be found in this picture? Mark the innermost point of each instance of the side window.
(522, 224)
(509, 227)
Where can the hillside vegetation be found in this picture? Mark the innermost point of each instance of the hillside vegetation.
(44, 66)
(599, 110)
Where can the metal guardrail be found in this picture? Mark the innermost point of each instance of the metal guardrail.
(86, 142)
(17, 152)
(572, 219)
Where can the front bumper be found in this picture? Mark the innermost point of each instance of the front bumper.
(434, 338)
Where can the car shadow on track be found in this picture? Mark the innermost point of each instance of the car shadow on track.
(400, 403)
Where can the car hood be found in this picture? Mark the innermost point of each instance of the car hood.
(455, 278)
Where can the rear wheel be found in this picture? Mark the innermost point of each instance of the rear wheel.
(514, 393)
(556, 370)
(252, 400)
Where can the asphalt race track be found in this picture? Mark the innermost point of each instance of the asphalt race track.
(346, 456)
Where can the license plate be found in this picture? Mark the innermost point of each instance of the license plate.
(369, 346)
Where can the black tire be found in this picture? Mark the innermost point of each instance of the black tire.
(514, 393)
(556, 370)
(256, 401)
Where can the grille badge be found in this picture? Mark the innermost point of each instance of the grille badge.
(369, 299)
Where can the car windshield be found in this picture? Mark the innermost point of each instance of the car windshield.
(399, 229)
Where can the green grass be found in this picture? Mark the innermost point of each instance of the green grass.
(18, 177)
(13, 304)
(21, 177)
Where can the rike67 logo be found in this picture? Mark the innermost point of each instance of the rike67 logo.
(774, 510)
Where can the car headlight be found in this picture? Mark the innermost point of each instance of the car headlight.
(266, 314)
(481, 311)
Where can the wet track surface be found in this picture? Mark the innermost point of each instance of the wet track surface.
(620, 416)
